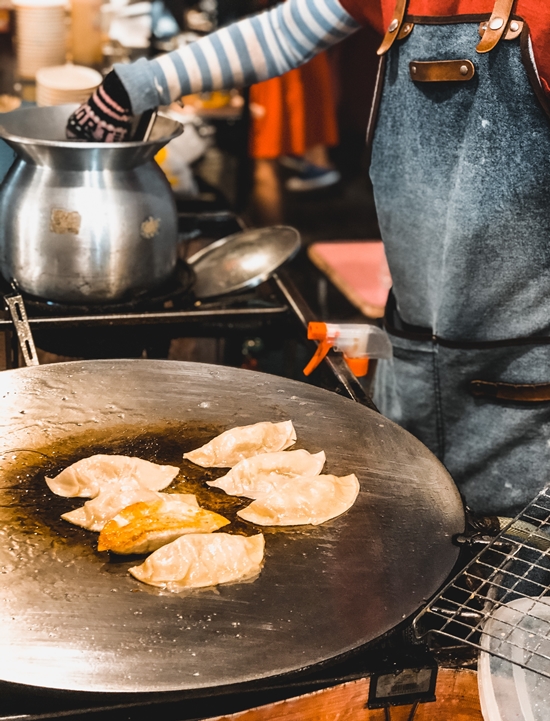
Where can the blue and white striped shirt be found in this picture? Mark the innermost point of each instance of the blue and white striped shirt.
(246, 52)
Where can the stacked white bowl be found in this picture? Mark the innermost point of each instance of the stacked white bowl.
(41, 35)
(68, 83)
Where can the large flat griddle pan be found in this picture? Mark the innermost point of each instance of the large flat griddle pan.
(71, 618)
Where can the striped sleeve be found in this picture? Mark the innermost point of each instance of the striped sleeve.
(246, 52)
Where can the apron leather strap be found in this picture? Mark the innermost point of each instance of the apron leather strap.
(519, 392)
(496, 25)
(394, 27)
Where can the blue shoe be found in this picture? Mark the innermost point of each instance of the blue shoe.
(293, 162)
(312, 178)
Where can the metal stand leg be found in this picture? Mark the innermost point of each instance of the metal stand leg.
(410, 717)
(10, 347)
(22, 336)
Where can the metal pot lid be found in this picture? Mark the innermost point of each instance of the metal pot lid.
(73, 618)
(243, 260)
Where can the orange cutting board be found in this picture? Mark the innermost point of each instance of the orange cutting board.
(358, 269)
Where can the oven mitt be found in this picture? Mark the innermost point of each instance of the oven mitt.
(105, 117)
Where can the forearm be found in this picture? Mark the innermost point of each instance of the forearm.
(246, 52)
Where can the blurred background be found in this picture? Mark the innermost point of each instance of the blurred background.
(291, 150)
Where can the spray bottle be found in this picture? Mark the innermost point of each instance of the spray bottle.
(358, 343)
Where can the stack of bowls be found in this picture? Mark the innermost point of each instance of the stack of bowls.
(41, 38)
(65, 84)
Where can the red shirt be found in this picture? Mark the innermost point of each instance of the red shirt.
(535, 13)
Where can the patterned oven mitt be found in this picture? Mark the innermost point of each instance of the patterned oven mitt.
(105, 117)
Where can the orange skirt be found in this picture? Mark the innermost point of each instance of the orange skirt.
(294, 112)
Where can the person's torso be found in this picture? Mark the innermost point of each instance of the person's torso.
(461, 177)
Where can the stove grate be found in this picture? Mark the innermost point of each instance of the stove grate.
(500, 601)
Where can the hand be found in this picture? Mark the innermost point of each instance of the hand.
(105, 117)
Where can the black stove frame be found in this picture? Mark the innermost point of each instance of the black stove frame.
(277, 303)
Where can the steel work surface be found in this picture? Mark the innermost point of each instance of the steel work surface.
(73, 618)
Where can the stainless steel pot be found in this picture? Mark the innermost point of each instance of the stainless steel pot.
(84, 222)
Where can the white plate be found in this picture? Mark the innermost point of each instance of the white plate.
(68, 78)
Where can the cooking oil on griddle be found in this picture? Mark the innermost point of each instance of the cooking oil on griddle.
(39, 510)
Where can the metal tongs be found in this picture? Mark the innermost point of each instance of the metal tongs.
(145, 125)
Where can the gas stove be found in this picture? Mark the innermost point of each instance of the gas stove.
(145, 326)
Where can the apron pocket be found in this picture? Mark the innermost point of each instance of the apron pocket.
(497, 423)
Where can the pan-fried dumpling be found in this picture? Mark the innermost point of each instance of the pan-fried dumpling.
(94, 514)
(199, 560)
(146, 526)
(255, 476)
(87, 477)
(303, 501)
(230, 447)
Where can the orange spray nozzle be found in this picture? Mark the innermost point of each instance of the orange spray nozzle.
(317, 331)
(358, 343)
(322, 349)
(320, 332)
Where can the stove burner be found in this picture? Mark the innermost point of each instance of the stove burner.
(176, 288)
(115, 341)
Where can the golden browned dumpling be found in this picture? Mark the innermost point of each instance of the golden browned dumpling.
(303, 501)
(199, 560)
(87, 477)
(230, 447)
(146, 526)
(94, 514)
(255, 476)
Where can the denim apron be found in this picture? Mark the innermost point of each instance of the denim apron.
(461, 176)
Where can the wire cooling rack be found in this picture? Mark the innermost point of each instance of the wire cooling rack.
(500, 601)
